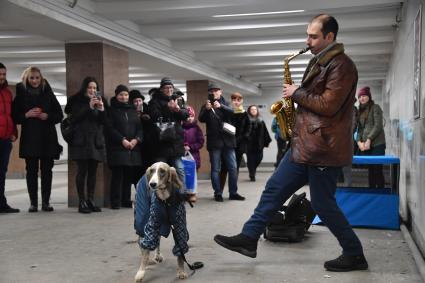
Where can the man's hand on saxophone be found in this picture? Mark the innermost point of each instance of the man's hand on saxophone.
(288, 90)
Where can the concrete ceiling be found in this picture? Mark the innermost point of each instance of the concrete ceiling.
(194, 39)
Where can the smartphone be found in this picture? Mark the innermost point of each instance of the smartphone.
(98, 95)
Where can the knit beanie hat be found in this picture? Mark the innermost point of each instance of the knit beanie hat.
(191, 111)
(364, 91)
(134, 93)
(178, 92)
(166, 81)
(120, 88)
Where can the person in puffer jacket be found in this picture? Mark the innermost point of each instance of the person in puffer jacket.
(124, 135)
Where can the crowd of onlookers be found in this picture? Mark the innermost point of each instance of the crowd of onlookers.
(127, 133)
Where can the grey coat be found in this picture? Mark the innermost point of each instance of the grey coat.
(371, 125)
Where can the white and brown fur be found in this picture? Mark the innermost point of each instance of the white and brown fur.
(162, 179)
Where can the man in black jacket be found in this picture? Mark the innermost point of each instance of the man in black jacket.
(220, 143)
(164, 107)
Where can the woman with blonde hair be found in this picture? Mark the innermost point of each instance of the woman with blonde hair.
(37, 110)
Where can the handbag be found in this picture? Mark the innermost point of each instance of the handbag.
(226, 127)
(189, 165)
(167, 130)
(67, 129)
(229, 129)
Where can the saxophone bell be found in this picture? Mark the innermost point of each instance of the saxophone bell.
(284, 109)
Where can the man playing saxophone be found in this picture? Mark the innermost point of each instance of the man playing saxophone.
(321, 145)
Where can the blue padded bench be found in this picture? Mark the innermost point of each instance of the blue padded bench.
(371, 208)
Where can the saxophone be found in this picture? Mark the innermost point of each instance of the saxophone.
(284, 109)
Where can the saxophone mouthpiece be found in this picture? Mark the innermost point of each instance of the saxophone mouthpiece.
(302, 51)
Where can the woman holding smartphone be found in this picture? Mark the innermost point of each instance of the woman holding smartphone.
(87, 148)
(37, 110)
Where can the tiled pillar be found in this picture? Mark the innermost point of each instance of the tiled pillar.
(109, 65)
(197, 95)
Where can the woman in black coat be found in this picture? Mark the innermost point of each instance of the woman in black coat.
(87, 147)
(124, 136)
(259, 138)
(37, 110)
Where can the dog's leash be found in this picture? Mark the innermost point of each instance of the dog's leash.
(196, 264)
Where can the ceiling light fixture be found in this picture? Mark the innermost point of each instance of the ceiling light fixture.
(258, 14)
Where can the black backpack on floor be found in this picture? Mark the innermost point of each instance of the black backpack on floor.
(291, 222)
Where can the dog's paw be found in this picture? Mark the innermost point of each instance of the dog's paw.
(181, 274)
(139, 276)
(158, 258)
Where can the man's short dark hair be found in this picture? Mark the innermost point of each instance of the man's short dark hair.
(329, 24)
(2, 66)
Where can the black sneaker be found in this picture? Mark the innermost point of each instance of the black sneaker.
(236, 197)
(218, 198)
(239, 243)
(347, 263)
(8, 209)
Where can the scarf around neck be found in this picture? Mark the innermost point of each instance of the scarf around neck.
(322, 59)
(239, 110)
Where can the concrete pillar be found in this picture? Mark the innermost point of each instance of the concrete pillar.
(197, 95)
(109, 65)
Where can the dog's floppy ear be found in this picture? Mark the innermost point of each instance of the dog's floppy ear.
(174, 180)
(148, 174)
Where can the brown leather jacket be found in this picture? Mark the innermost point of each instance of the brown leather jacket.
(323, 134)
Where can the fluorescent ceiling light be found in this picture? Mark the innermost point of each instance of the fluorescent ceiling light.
(144, 81)
(37, 62)
(29, 51)
(260, 42)
(246, 26)
(258, 14)
(144, 75)
(13, 36)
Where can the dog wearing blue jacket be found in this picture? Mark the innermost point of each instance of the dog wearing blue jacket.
(159, 204)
